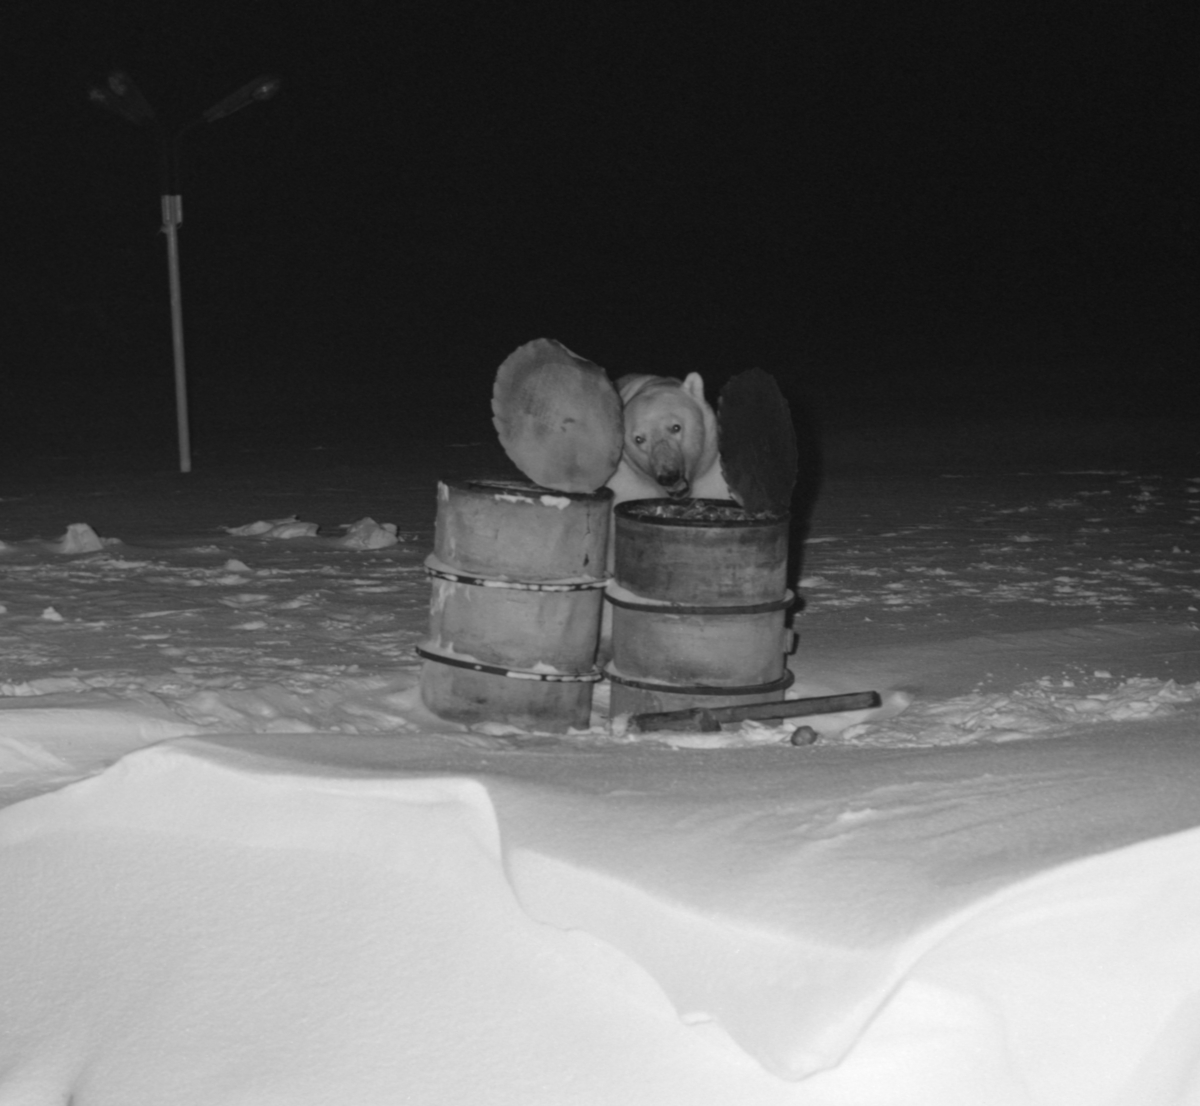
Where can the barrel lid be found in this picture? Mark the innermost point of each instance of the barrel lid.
(558, 417)
(758, 442)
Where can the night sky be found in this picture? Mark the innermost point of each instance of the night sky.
(917, 213)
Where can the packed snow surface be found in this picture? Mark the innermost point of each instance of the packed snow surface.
(242, 864)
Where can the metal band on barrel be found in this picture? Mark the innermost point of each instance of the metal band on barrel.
(782, 684)
(683, 608)
(593, 677)
(515, 585)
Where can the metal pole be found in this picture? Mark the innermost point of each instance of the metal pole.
(119, 94)
(172, 213)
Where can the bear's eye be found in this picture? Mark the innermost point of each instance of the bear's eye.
(675, 428)
(639, 439)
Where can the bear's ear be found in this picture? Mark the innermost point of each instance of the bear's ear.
(694, 386)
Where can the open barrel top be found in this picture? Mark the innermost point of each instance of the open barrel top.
(694, 512)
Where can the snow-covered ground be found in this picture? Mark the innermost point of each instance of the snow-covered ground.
(314, 891)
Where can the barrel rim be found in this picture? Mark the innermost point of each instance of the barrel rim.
(629, 512)
(524, 489)
(782, 684)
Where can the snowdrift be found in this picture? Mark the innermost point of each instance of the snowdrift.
(319, 918)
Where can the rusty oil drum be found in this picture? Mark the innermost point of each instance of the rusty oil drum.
(699, 602)
(517, 573)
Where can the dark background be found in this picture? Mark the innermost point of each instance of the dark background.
(917, 214)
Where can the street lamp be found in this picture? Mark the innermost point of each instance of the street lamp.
(120, 95)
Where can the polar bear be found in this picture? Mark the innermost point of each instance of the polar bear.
(670, 444)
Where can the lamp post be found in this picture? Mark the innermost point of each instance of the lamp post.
(120, 95)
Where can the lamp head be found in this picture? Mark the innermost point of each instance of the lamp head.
(120, 95)
(261, 88)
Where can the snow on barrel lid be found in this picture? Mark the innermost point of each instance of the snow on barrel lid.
(558, 417)
(758, 442)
